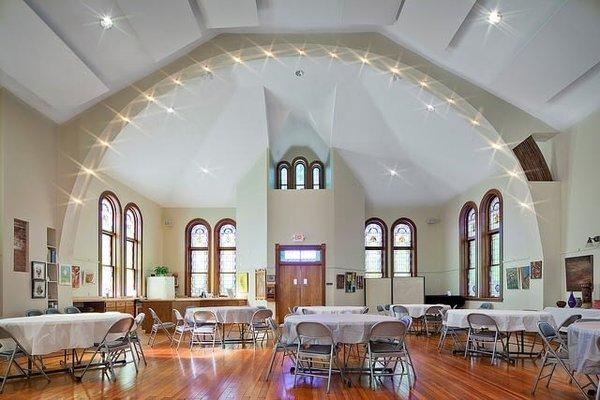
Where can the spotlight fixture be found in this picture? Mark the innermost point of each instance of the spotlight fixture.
(106, 22)
(450, 100)
(395, 71)
(496, 146)
(177, 81)
(514, 174)
(170, 110)
(103, 143)
(150, 98)
(302, 52)
(364, 60)
(124, 118)
(430, 107)
(423, 83)
(334, 55)
(494, 17)
(237, 59)
(269, 53)
(76, 200)
(299, 73)
(88, 171)
(206, 68)
(204, 170)
(475, 122)
(393, 172)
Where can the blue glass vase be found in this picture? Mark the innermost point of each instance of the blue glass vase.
(572, 302)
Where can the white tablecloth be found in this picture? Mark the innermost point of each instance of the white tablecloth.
(507, 320)
(225, 314)
(584, 351)
(331, 309)
(46, 334)
(418, 310)
(561, 314)
(346, 328)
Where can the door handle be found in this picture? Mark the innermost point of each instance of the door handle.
(305, 282)
(295, 281)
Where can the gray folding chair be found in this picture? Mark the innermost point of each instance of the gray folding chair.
(52, 311)
(387, 348)
(562, 329)
(306, 311)
(315, 351)
(399, 311)
(111, 349)
(181, 328)
(72, 310)
(483, 330)
(449, 330)
(432, 320)
(365, 310)
(486, 306)
(288, 349)
(556, 353)
(157, 325)
(11, 356)
(206, 328)
(135, 337)
(383, 309)
(33, 313)
(259, 326)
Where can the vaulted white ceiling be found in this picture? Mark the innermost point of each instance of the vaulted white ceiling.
(544, 56)
(223, 122)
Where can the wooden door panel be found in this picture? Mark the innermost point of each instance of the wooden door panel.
(289, 290)
(312, 285)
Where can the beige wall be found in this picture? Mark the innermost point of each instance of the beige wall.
(173, 243)
(29, 157)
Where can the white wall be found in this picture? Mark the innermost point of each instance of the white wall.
(29, 157)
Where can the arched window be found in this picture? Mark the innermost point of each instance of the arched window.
(375, 248)
(300, 166)
(109, 212)
(468, 249)
(404, 248)
(197, 275)
(132, 250)
(317, 175)
(491, 241)
(283, 175)
(225, 240)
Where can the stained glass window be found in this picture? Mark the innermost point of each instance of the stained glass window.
(133, 232)
(227, 257)
(495, 213)
(300, 176)
(468, 243)
(316, 177)
(108, 215)
(198, 245)
(493, 243)
(283, 171)
(403, 248)
(375, 248)
(471, 223)
(107, 253)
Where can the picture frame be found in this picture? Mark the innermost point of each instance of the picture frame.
(579, 270)
(512, 278)
(38, 289)
(340, 281)
(64, 275)
(38, 270)
(525, 275)
(90, 278)
(76, 277)
(243, 282)
(350, 282)
(360, 282)
(536, 270)
(20, 245)
(260, 284)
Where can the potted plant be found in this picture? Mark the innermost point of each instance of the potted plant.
(161, 271)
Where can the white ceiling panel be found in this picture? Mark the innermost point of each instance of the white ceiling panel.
(381, 12)
(151, 19)
(32, 55)
(228, 13)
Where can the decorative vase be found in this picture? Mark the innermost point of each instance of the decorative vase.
(572, 302)
(562, 304)
(578, 301)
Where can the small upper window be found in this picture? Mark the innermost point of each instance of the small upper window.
(283, 175)
(316, 174)
(300, 181)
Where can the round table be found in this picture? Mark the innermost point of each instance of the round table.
(418, 310)
(584, 347)
(345, 328)
(507, 320)
(330, 309)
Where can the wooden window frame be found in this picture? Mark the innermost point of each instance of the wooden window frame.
(464, 239)
(412, 248)
(114, 235)
(138, 246)
(295, 162)
(485, 236)
(381, 223)
(312, 166)
(218, 248)
(281, 165)
(188, 255)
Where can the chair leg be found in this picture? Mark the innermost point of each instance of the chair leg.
(468, 344)
(272, 362)
(494, 350)
(141, 351)
(330, 365)
(296, 368)
(539, 374)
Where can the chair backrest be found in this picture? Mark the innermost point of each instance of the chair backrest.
(365, 310)
(261, 315)
(139, 319)
(395, 330)
(155, 319)
(406, 320)
(205, 317)
(4, 334)
(443, 314)
(433, 311)
(261, 307)
(399, 311)
(33, 313)
(294, 310)
(52, 310)
(479, 321)
(380, 308)
(312, 330)
(72, 310)
(123, 326)
(177, 315)
(569, 321)
(306, 311)
(486, 306)
(588, 320)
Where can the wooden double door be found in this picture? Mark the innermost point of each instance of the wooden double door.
(299, 282)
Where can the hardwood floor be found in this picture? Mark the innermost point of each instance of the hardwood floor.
(238, 373)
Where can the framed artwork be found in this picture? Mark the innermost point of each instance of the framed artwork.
(340, 281)
(271, 278)
(38, 289)
(512, 278)
(536, 270)
(260, 282)
(75, 277)
(243, 282)
(38, 270)
(360, 282)
(90, 278)
(525, 273)
(64, 277)
(579, 270)
(21, 246)
(350, 282)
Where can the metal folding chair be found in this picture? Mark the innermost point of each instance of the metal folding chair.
(556, 353)
(157, 325)
(287, 349)
(562, 329)
(135, 337)
(11, 356)
(432, 319)
(448, 330)
(399, 311)
(312, 356)
(72, 310)
(387, 348)
(111, 349)
(181, 328)
(259, 325)
(33, 313)
(483, 330)
(205, 324)
(52, 311)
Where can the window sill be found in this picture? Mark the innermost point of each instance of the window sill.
(486, 299)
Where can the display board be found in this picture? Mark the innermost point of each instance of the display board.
(377, 291)
(408, 290)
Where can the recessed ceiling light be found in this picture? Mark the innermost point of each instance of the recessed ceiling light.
(514, 174)
(206, 68)
(334, 55)
(364, 60)
(393, 172)
(496, 146)
(204, 170)
(269, 54)
(494, 17)
(177, 81)
(395, 71)
(103, 143)
(236, 59)
(525, 205)
(430, 107)
(170, 110)
(302, 52)
(475, 122)
(150, 98)
(450, 100)
(88, 171)
(423, 83)
(106, 22)
(76, 200)
(124, 118)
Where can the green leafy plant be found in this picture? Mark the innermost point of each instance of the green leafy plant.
(161, 271)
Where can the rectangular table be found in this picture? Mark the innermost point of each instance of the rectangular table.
(418, 310)
(241, 315)
(561, 314)
(331, 309)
